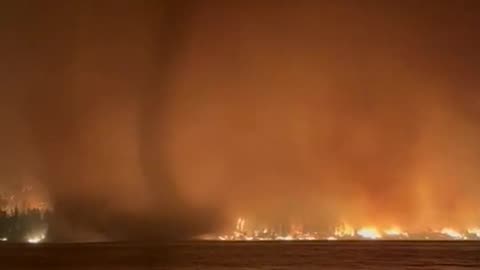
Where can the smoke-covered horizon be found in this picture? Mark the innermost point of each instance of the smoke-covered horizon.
(158, 119)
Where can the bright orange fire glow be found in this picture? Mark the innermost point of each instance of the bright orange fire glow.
(474, 231)
(369, 233)
(395, 231)
(452, 233)
(344, 230)
(286, 238)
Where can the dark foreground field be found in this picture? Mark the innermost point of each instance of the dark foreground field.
(242, 255)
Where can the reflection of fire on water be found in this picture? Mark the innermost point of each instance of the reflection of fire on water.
(344, 231)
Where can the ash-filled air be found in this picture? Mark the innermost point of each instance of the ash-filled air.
(163, 119)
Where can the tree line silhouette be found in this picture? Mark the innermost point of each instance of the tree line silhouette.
(20, 225)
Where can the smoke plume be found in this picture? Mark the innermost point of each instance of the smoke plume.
(162, 119)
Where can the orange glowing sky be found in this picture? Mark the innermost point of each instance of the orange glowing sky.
(321, 111)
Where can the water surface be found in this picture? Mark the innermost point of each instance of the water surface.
(370, 255)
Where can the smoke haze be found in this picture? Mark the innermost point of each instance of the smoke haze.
(164, 119)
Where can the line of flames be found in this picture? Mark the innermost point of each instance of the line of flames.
(345, 231)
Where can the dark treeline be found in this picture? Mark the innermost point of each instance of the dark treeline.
(23, 225)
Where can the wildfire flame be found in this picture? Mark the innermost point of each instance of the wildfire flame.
(344, 230)
(35, 239)
(395, 231)
(369, 233)
(474, 231)
(452, 233)
(286, 238)
(240, 224)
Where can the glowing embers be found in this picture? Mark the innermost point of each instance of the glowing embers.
(369, 233)
(452, 233)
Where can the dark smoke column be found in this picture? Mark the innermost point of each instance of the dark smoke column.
(172, 27)
(95, 77)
